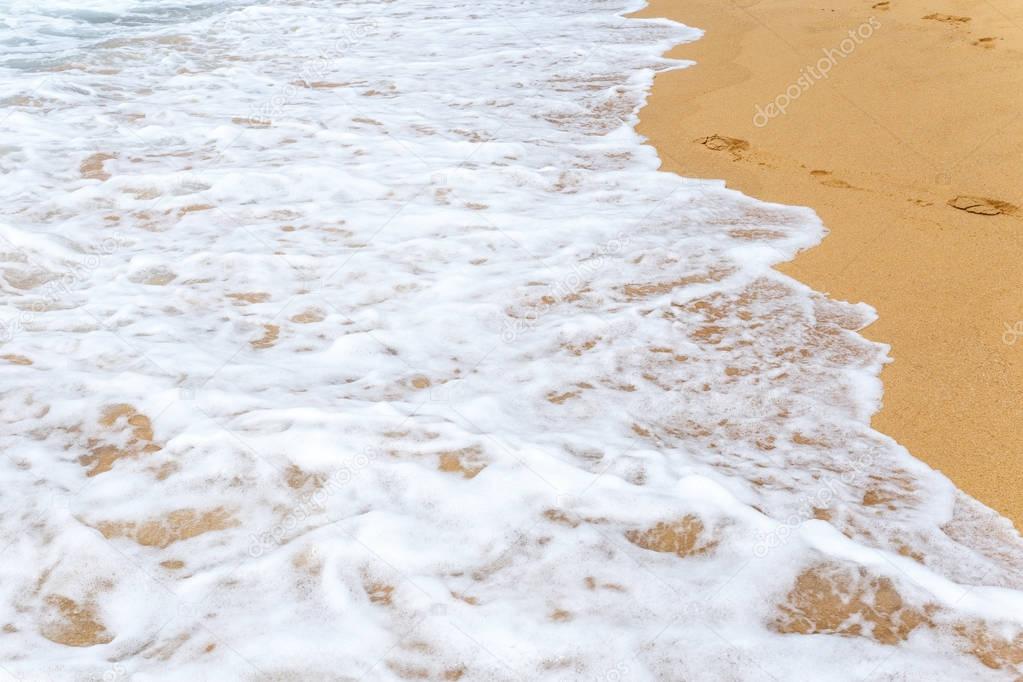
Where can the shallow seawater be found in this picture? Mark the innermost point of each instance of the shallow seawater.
(365, 340)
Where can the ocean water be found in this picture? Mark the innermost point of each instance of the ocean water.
(365, 341)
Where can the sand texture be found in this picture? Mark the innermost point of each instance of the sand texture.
(903, 128)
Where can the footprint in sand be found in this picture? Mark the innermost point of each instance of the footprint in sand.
(720, 143)
(825, 178)
(950, 19)
(882, 6)
(986, 43)
(982, 205)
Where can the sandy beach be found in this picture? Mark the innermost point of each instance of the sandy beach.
(373, 341)
(900, 124)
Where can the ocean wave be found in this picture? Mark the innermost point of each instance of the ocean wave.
(367, 341)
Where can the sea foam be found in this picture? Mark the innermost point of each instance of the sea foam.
(366, 340)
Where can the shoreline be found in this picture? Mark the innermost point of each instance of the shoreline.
(900, 125)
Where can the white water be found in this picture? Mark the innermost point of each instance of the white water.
(333, 242)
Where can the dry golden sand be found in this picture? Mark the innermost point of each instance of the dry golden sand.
(911, 152)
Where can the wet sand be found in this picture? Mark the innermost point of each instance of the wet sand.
(906, 137)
